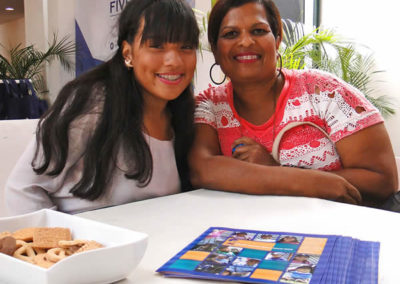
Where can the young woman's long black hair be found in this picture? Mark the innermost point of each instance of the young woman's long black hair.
(120, 122)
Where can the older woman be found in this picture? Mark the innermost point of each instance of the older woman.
(327, 139)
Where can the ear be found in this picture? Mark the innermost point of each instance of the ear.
(278, 42)
(127, 51)
(214, 52)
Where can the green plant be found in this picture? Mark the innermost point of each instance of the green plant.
(325, 50)
(29, 63)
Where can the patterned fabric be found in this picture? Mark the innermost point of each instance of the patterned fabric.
(307, 95)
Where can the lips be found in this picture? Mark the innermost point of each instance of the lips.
(170, 79)
(247, 57)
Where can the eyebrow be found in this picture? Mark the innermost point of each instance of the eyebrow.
(252, 26)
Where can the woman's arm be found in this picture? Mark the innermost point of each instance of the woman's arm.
(369, 163)
(212, 170)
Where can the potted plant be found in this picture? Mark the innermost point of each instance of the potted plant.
(325, 50)
(21, 74)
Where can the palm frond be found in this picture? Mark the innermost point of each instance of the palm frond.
(325, 50)
(384, 104)
(29, 62)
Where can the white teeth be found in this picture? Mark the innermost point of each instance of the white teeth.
(170, 77)
(247, 57)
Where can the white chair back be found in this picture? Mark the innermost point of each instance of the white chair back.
(398, 168)
(14, 137)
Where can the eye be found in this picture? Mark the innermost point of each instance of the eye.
(229, 34)
(259, 31)
(187, 46)
(155, 44)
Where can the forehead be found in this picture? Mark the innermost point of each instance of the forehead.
(247, 14)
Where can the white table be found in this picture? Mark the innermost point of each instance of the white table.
(172, 222)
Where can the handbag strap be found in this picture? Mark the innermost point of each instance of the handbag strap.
(277, 141)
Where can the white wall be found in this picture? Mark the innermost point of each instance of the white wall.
(204, 59)
(11, 34)
(61, 21)
(36, 23)
(374, 24)
(43, 18)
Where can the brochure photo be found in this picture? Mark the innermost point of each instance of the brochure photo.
(274, 257)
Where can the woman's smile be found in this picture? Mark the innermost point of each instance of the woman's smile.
(170, 78)
(247, 57)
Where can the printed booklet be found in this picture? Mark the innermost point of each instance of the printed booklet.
(275, 257)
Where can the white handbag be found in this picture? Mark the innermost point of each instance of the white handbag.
(277, 141)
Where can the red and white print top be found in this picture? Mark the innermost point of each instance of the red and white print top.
(307, 95)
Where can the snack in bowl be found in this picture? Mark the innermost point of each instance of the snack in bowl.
(43, 246)
(8, 245)
(126, 245)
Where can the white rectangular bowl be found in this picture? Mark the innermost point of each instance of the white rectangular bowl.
(122, 252)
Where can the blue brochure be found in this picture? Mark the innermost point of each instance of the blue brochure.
(275, 257)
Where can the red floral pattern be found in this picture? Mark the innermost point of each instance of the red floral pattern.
(308, 95)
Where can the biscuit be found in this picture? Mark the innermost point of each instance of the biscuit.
(39, 250)
(43, 246)
(55, 254)
(67, 244)
(5, 234)
(89, 246)
(25, 253)
(41, 260)
(20, 243)
(48, 238)
(8, 245)
(25, 234)
(71, 246)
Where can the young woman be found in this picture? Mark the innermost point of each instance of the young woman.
(119, 133)
(331, 141)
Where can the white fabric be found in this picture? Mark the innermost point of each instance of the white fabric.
(26, 191)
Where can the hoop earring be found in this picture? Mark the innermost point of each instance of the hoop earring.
(280, 63)
(211, 77)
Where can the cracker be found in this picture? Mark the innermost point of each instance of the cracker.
(40, 259)
(25, 234)
(5, 234)
(56, 254)
(72, 246)
(48, 238)
(89, 246)
(25, 253)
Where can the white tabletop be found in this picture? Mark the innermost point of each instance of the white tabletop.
(172, 222)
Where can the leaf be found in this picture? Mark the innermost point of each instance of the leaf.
(325, 50)
(29, 63)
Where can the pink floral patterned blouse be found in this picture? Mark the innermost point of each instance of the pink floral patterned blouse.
(307, 95)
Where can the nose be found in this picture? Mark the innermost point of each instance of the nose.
(173, 58)
(246, 40)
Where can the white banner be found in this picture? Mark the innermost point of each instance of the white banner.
(96, 31)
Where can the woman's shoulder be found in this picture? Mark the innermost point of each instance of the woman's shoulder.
(215, 94)
(314, 79)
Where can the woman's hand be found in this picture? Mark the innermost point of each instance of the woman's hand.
(329, 186)
(246, 149)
